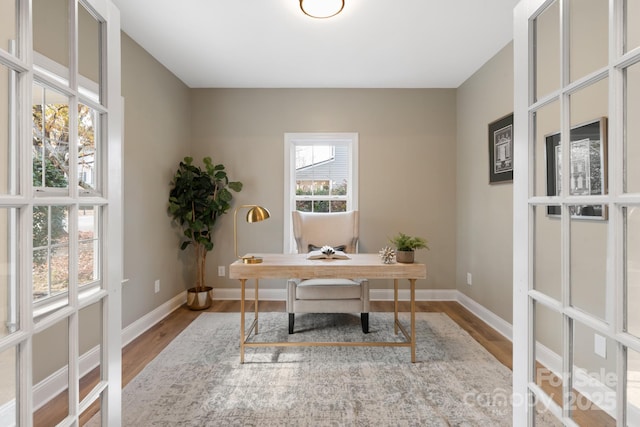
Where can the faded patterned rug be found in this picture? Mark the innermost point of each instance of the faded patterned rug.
(198, 381)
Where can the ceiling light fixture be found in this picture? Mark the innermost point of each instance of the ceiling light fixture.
(321, 8)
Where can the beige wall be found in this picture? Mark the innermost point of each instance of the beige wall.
(484, 215)
(157, 137)
(406, 161)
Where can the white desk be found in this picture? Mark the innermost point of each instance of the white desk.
(370, 266)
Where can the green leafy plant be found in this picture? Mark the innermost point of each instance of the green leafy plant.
(403, 242)
(198, 197)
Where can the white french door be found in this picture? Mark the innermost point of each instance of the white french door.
(577, 211)
(60, 208)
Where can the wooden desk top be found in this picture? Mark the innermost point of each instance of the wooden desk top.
(369, 266)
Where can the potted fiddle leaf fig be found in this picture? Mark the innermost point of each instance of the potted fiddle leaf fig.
(406, 247)
(198, 197)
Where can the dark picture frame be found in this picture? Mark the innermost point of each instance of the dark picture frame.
(588, 167)
(501, 150)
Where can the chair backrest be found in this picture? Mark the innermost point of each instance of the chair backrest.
(319, 229)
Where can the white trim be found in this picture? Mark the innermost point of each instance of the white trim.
(140, 326)
(490, 318)
(8, 413)
(56, 383)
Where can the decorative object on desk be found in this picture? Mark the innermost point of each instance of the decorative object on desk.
(406, 247)
(327, 252)
(198, 197)
(501, 150)
(255, 214)
(388, 255)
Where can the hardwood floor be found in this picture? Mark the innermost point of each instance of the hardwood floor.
(143, 349)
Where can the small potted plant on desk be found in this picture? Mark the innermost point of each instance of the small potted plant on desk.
(198, 197)
(406, 247)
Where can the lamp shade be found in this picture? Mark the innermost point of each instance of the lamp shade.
(257, 214)
(321, 8)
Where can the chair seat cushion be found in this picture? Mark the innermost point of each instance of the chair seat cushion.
(328, 289)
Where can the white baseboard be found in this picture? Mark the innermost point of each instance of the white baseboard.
(56, 383)
(487, 316)
(140, 326)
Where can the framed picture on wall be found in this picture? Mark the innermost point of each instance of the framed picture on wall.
(501, 150)
(588, 167)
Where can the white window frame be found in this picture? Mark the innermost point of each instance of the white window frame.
(23, 198)
(525, 202)
(291, 140)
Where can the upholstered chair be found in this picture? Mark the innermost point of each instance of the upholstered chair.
(348, 295)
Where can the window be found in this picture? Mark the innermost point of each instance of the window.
(321, 174)
(60, 211)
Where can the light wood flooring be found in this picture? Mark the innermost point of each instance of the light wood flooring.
(146, 347)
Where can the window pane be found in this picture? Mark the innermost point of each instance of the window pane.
(304, 206)
(8, 272)
(8, 24)
(590, 103)
(88, 244)
(322, 176)
(87, 142)
(547, 276)
(338, 206)
(633, 387)
(50, 138)
(51, 30)
(588, 36)
(51, 354)
(594, 376)
(548, 335)
(90, 335)
(588, 262)
(8, 151)
(50, 251)
(632, 128)
(547, 137)
(632, 29)
(547, 54)
(89, 52)
(321, 206)
(632, 269)
(8, 369)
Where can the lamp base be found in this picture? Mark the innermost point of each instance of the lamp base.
(251, 260)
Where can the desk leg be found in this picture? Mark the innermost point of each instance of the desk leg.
(395, 306)
(256, 306)
(413, 320)
(242, 337)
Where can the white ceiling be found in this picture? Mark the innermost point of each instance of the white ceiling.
(272, 44)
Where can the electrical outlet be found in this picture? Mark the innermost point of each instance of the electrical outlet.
(221, 272)
(469, 279)
(157, 286)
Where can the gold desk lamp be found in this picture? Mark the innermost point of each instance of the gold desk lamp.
(256, 214)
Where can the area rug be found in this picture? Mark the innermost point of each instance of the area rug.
(198, 380)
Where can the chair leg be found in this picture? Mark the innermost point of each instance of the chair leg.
(292, 317)
(364, 317)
